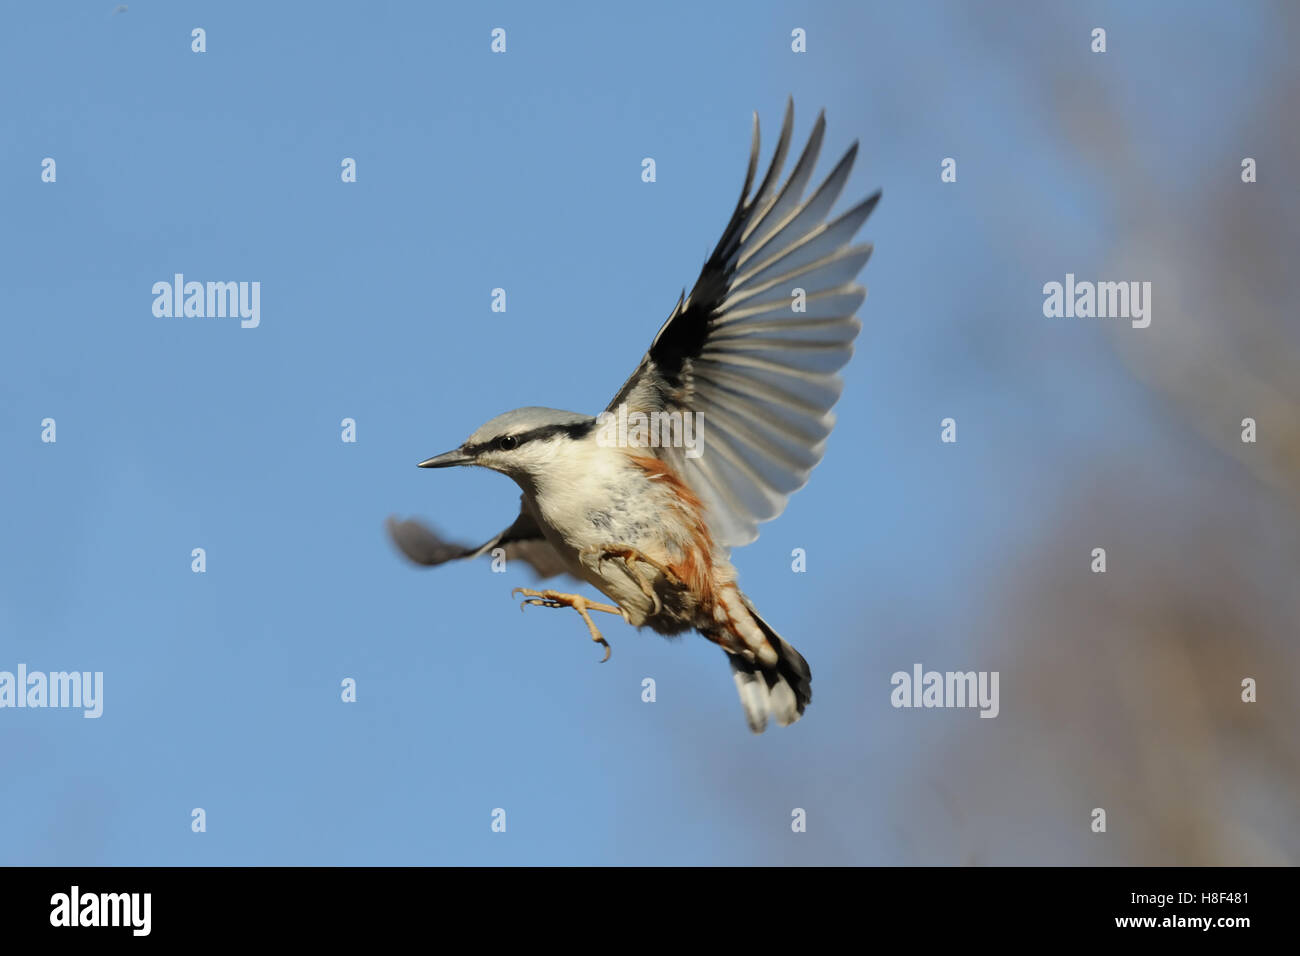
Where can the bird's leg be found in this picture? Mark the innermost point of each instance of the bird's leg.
(630, 557)
(579, 603)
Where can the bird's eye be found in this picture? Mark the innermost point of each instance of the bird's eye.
(507, 442)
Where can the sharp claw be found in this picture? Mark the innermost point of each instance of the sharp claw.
(577, 602)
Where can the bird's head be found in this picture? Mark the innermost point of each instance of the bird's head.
(521, 443)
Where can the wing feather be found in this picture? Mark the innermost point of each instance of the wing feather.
(762, 375)
(522, 541)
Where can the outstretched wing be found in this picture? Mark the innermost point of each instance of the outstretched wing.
(522, 541)
(755, 349)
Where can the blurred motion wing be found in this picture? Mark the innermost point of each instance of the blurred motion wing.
(522, 541)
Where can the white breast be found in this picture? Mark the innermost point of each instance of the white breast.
(598, 497)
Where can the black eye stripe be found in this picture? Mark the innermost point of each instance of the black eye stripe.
(507, 442)
(576, 431)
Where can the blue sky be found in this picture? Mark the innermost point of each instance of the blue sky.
(519, 171)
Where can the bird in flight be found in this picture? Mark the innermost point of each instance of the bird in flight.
(747, 365)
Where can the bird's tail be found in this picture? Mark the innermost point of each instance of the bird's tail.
(782, 691)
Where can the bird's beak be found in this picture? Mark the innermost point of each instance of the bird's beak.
(447, 460)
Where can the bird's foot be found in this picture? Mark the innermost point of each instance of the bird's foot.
(577, 602)
(631, 557)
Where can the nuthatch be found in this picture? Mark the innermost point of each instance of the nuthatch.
(753, 352)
